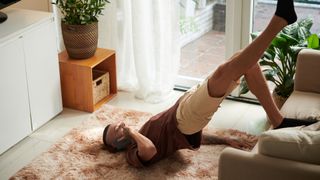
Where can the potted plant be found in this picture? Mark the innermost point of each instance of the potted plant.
(279, 60)
(80, 25)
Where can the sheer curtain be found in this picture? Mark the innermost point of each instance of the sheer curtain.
(145, 35)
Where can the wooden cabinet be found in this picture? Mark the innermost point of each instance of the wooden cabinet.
(30, 92)
(76, 79)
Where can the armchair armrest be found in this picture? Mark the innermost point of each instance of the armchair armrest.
(242, 165)
(307, 76)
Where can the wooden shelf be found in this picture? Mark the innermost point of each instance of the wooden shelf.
(76, 79)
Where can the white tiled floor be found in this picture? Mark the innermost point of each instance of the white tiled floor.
(232, 114)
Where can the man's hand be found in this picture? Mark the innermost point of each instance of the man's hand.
(119, 125)
(239, 144)
(126, 129)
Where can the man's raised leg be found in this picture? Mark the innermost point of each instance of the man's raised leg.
(238, 65)
(241, 63)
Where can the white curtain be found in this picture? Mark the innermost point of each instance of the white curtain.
(145, 35)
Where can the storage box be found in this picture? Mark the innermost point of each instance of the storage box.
(100, 85)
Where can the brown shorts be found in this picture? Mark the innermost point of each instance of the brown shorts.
(196, 107)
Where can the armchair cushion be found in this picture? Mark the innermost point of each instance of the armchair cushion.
(298, 144)
(308, 71)
(302, 105)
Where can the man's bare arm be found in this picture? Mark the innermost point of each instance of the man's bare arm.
(208, 139)
(146, 148)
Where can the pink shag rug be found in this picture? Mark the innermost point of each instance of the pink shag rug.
(80, 154)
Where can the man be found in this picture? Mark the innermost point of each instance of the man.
(181, 125)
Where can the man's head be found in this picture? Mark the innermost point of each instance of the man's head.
(114, 138)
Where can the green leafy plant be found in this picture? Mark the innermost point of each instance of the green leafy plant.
(80, 12)
(279, 60)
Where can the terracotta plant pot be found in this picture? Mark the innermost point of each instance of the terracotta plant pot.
(80, 40)
(279, 100)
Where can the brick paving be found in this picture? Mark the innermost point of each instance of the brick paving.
(204, 55)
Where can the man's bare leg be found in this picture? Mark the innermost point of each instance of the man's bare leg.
(240, 64)
(258, 86)
(254, 51)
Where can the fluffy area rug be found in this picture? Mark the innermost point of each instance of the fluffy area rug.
(80, 154)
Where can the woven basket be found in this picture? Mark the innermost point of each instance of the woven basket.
(100, 85)
(80, 40)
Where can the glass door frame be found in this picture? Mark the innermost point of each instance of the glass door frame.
(243, 17)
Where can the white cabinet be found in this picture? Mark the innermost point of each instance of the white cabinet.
(42, 69)
(14, 105)
(30, 93)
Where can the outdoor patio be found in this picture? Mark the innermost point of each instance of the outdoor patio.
(205, 54)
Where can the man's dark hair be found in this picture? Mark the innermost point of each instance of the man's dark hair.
(104, 138)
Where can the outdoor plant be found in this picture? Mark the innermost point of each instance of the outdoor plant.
(279, 60)
(187, 24)
(80, 12)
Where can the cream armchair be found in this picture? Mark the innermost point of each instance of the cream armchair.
(272, 161)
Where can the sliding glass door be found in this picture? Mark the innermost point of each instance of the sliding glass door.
(203, 39)
(210, 33)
